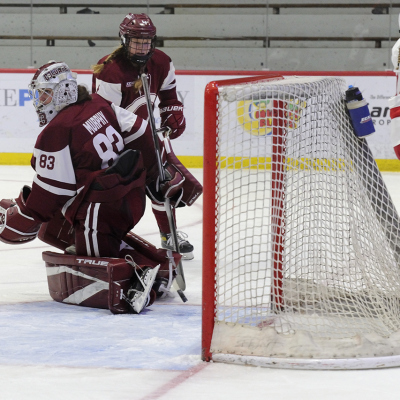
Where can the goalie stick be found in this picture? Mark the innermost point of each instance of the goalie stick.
(180, 278)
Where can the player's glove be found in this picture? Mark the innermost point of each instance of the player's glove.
(171, 113)
(16, 224)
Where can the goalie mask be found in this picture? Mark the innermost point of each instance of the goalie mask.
(53, 87)
(138, 37)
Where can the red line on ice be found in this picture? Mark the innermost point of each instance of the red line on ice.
(173, 383)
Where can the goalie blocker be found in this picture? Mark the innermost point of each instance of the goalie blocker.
(180, 186)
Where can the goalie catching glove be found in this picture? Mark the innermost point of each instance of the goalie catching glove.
(16, 224)
(171, 113)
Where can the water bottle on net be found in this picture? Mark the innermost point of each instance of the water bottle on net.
(359, 113)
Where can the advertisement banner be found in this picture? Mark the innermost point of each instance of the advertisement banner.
(19, 126)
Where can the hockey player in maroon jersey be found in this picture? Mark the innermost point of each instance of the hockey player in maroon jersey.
(117, 78)
(92, 161)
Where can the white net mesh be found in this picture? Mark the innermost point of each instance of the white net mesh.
(307, 235)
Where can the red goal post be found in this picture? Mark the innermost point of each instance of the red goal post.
(209, 195)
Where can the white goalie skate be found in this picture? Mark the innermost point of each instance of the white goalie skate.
(139, 294)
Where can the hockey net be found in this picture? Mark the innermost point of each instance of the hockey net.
(301, 240)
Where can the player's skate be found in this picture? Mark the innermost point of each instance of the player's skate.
(185, 248)
(139, 293)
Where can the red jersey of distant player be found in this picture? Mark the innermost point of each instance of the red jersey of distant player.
(115, 82)
(75, 147)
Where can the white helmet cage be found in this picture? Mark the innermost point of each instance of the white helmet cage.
(60, 85)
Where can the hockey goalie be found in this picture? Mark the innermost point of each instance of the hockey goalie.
(93, 162)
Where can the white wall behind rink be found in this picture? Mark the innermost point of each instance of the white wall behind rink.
(19, 124)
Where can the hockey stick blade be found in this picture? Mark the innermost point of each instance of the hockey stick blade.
(179, 291)
(182, 295)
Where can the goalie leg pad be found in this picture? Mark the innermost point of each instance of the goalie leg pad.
(90, 282)
(144, 253)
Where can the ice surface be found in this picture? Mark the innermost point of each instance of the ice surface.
(54, 351)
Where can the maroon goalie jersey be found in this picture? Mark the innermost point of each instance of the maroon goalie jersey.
(115, 82)
(75, 147)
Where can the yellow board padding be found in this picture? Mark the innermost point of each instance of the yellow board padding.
(15, 158)
(390, 165)
(301, 164)
(261, 163)
(245, 162)
(25, 159)
(191, 161)
(318, 164)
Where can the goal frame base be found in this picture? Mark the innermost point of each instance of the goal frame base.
(310, 364)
